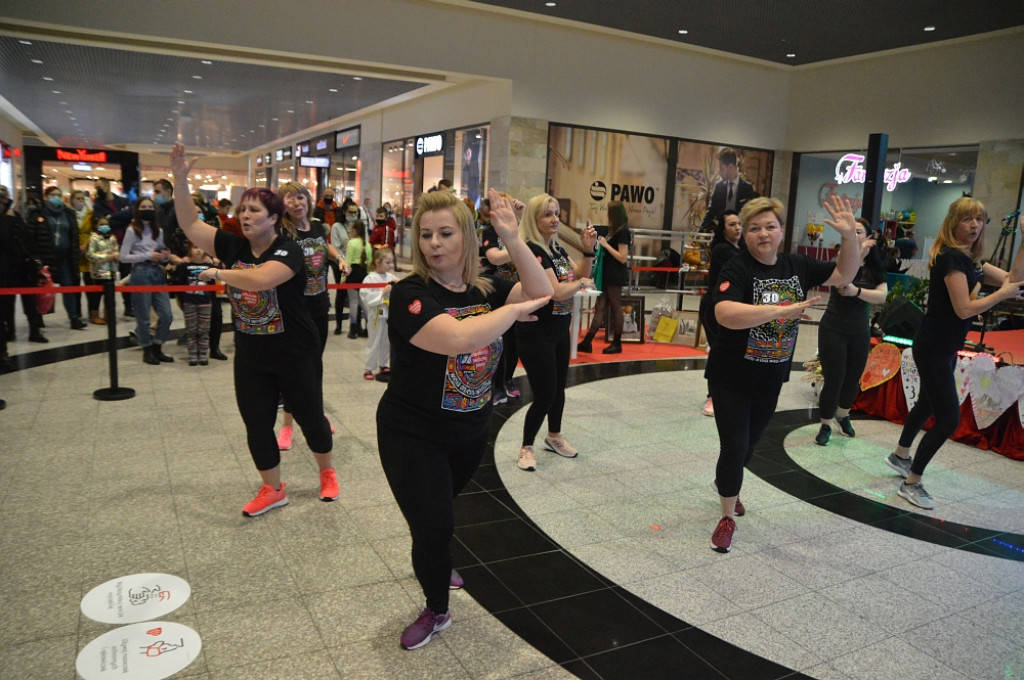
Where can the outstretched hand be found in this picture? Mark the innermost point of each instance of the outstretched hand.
(842, 220)
(180, 165)
(503, 217)
(797, 310)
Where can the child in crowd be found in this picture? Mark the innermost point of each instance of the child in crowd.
(102, 252)
(195, 305)
(375, 301)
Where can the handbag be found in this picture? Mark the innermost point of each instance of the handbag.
(44, 300)
(597, 271)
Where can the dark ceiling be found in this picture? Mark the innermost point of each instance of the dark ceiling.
(811, 30)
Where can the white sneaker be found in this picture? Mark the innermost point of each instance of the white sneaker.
(527, 461)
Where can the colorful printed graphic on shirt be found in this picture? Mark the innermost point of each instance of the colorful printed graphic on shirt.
(467, 378)
(256, 312)
(563, 272)
(774, 342)
(314, 250)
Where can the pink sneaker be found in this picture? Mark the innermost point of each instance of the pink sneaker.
(329, 485)
(419, 632)
(268, 498)
(284, 438)
(455, 582)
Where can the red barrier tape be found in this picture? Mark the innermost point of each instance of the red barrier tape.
(218, 288)
(674, 270)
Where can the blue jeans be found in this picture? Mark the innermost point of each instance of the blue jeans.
(150, 275)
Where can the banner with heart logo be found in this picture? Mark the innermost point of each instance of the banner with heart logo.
(139, 651)
(882, 365)
(993, 390)
(911, 378)
(962, 377)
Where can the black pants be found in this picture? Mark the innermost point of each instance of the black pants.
(93, 299)
(340, 296)
(28, 305)
(257, 388)
(610, 298)
(546, 361)
(843, 356)
(741, 418)
(939, 398)
(319, 315)
(425, 477)
(509, 359)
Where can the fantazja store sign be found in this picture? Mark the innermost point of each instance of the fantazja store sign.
(855, 172)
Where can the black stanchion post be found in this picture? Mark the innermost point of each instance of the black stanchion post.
(114, 392)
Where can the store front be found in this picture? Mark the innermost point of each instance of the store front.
(77, 169)
(918, 186)
(344, 169)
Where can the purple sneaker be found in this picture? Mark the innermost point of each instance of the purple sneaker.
(510, 390)
(419, 632)
(455, 582)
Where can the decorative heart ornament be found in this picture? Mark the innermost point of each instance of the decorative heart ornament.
(962, 377)
(993, 390)
(883, 362)
(911, 378)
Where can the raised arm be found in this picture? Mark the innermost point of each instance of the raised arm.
(533, 281)
(960, 297)
(199, 232)
(844, 222)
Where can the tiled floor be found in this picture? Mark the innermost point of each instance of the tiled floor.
(598, 567)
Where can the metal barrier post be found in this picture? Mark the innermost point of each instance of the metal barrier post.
(114, 392)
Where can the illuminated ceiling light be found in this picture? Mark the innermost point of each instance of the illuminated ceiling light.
(188, 91)
(180, 101)
(291, 110)
(929, 29)
(198, 176)
(790, 55)
(207, 62)
(55, 91)
(25, 42)
(549, 4)
(309, 101)
(37, 61)
(683, 31)
(48, 79)
(275, 119)
(333, 89)
(356, 78)
(197, 77)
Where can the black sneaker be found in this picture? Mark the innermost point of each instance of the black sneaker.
(36, 336)
(218, 355)
(845, 427)
(824, 434)
(585, 346)
(78, 325)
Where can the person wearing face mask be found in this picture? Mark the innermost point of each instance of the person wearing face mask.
(102, 253)
(327, 210)
(105, 202)
(55, 228)
(85, 229)
(18, 268)
(144, 249)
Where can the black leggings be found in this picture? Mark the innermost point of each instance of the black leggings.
(257, 388)
(546, 361)
(319, 314)
(939, 398)
(843, 356)
(509, 357)
(340, 296)
(611, 297)
(741, 418)
(425, 477)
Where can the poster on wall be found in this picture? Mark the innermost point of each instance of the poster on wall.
(588, 168)
(703, 176)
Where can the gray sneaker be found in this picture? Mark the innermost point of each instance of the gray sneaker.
(900, 465)
(916, 494)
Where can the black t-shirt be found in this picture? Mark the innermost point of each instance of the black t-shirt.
(720, 255)
(613, 272)
(849, 314)
(187, 274)
(759, 358)
(313, 243)
(554, 317)
(430, 392)
(942, 330)
(269, 324)
(489, 239)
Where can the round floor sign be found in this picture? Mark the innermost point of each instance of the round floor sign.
(134, 598)
(140, 651)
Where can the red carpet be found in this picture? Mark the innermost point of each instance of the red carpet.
(1009, 345)
(637, 351)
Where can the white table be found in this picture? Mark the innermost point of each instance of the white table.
(578, 300)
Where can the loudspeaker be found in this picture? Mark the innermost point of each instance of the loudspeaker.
(900, 317)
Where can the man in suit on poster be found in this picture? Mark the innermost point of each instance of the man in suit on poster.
(730, 193)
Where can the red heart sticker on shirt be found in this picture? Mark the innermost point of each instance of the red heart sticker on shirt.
(154, 631)
(723, 286)
(415, 307)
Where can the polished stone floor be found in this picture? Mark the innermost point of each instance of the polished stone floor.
(597, 567)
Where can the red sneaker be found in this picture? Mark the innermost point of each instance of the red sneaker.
(329, 485)
(268, 498)
(284, 438)
(721, 540)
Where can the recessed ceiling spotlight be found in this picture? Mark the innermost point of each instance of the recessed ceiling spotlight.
(291, 110)
(197, 77)
(171, 119)
(25, 42)
(72, 118)
(309, 101)
(262, 125)
(55, 91)
(63, 103)
(683, 31)
(790, 55)
(48, 79)
(180, 101)
(333, 89)
(929, 29)
(188, 91)
(549, 4)
(275, 119)
(356, 78)
(207, 62)
(37, 61)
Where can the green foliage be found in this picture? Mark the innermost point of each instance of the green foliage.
(913, 289)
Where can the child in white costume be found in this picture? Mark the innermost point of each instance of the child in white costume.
(375, 301)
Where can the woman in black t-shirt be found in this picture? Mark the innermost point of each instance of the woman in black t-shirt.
(955, 272)
(544, 346)
(759, 301)
(613, 278)
(276, 341)
(445, 325)
(725, 245)
(311, 237)
(844, 337)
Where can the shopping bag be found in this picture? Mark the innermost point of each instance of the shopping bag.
(44, 300)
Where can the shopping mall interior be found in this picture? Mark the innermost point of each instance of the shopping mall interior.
(597, 567)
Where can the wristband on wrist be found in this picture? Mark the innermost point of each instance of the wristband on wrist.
(858, 291)
(591, 254)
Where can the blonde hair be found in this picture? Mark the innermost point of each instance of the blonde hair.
(379, 254)
(528, 229)
(756, 206)
(960, 209)
(436, 201)
(285, 190)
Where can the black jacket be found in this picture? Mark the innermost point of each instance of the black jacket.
(18, 263)
(39, 227)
